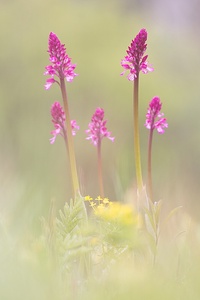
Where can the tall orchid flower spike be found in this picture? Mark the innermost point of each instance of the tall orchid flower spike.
(134, 62)
(154, 120)
(61, 70)
(96, 132)
(58, 119)
(61, 66)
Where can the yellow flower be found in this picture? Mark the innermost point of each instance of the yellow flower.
(100, 208)
(106, 201)
(99, 198)
(88, 198)
(92, 204)
(123, 214)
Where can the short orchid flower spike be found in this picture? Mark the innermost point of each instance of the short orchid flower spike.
(96, 132)
(135, 60)
(61, 66)
(97, 128)
(58, 119)
(154, 118)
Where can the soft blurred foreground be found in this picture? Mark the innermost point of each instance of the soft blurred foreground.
(34, 174)
(115, 264)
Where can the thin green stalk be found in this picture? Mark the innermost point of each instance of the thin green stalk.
(70, 143)
(150, 187)
(100, 176)
(65, 138)
(136, 134)
(156, 244)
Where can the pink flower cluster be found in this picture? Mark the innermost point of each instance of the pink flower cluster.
(61, 65)
(135, 61)
(97, 128)
(154, 118)
(58, 119)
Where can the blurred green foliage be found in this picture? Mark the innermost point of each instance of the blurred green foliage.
(96, 34)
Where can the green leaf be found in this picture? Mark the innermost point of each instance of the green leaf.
(172, 212)
(151, 221)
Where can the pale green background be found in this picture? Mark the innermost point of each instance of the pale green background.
(96, 34)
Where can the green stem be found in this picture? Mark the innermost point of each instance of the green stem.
(70, 143)
(100, 176)
(65, 138)
(150, 188)
(136, 134)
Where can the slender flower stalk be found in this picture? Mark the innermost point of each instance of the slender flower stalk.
(96, 132)
(136, 134)
(71, 152)
(154, 120)
(134, 62)
(60, 69)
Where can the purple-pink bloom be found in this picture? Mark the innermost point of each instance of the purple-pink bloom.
(154, 118)
(97, 128)
(58, 119)
(74, 126)
(61, 65)
(135, 61)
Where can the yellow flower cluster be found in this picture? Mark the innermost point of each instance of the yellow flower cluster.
(123, 214)
(99, 201)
